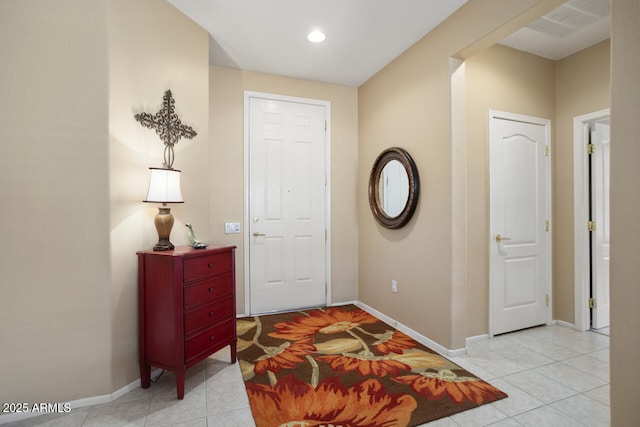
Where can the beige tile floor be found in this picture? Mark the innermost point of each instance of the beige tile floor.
(554, 376)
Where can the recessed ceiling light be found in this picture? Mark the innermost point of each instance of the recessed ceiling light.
(316, 36)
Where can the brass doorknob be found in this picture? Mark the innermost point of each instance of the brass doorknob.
(499, 238)
(256, 234)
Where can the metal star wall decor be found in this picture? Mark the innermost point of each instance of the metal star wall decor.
(168, 126)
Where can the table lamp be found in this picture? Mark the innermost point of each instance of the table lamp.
(164, 187)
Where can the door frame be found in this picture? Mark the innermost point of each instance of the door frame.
(327, 170)
(581, 256)
(548, 276)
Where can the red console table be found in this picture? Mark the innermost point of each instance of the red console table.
(187, 308)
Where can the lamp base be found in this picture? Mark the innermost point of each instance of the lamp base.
(163, 246)
(164, 224)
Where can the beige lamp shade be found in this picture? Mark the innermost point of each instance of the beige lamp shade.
(164, 186)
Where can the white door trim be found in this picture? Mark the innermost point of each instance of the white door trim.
(327, 169)
(547, 125)
(580, 218)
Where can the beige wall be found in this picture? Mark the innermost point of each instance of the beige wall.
(503, 79)
(144, 61)
(408, 104)
(227, 175)
(60, 123)
(582, 86)
(625, 204)
(54, 257)
(74, 171)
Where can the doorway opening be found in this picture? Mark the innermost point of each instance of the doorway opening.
(591, 221)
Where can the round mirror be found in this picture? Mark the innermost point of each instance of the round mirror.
(394, 186)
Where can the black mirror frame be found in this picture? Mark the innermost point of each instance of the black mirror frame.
(401, 155)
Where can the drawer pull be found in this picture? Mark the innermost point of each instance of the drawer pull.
(210, 289)
(211, 338)
(211, 314)
(210, 265)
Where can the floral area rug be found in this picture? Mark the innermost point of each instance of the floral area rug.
(343, 367)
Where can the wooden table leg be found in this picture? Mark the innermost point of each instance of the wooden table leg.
(145, 375)
(180, 384)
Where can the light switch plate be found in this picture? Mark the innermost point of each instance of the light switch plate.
(231, 227)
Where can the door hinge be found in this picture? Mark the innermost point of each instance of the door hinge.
(593, 303)
(325, 125)
(546, 150)
(591, 226)
(591, 148)
(325, 234)
(546, 299)
(546, 225)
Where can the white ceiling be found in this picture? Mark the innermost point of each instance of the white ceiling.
(575, 25)
(362, 35)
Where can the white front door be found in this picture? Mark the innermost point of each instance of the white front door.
(601, 141)
(519, 211)
(287, 212)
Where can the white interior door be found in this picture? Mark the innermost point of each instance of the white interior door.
(600, 138)
(519, 206)
(286, 205)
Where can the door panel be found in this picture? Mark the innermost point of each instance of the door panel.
(519, 187)
(286, 205)
(519, 211)
(523, 272)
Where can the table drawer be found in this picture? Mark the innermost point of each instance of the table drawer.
(205, 266)
(207, 315)
(202, 292)
(221, 333)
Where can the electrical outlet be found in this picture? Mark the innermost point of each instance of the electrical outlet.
(394, 286)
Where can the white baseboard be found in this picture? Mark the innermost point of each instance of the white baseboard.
(565, 324)
(96, 400)
(399, 326)
(426, 341)
(413, 334)
(80, 403)
(338, 304)
(476, 338)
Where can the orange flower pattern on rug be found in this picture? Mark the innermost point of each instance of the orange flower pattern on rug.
(291, 402)
(331, 321)
(341, 366)
(394, 342)
(456, 388)
(285, 356)
(371, 365)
